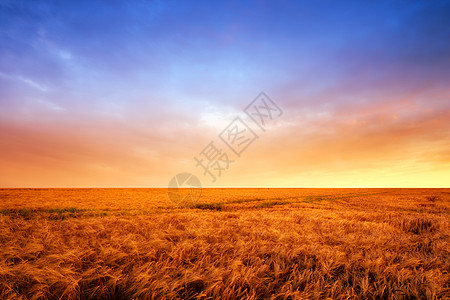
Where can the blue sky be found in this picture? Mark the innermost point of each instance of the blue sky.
(145, 79)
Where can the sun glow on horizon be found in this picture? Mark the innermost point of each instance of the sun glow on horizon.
(126, 95)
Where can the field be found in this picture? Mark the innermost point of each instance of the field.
(231, 244)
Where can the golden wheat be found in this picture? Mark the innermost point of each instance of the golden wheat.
(232, 244)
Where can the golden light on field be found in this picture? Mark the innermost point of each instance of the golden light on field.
(224, 149)
(231, 243)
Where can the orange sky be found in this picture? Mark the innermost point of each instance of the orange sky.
(368, 147)
(115, 95)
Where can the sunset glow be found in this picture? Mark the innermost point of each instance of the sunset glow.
(126, 94)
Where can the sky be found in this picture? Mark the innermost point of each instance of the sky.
(132, 93)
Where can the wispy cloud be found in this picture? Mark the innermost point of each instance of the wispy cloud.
(113, 93)
(29, 82)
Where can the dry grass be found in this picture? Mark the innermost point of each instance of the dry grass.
(233, 244)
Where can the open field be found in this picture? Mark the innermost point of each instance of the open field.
(231, 244)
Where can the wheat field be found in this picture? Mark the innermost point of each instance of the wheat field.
(231, 244)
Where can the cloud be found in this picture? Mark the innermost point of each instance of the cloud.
(27, 81)
(113, 93)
